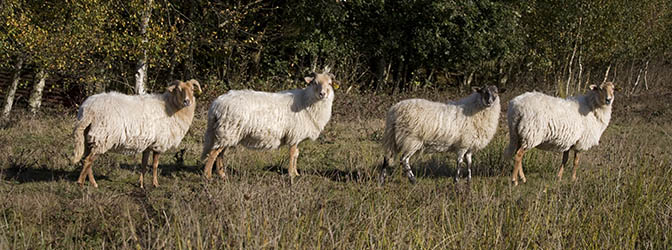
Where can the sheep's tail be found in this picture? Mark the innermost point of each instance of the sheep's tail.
(513, 121)
(80, 128)
(389, 142)
(209, 139)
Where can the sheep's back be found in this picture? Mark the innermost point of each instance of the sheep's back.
(545, 122)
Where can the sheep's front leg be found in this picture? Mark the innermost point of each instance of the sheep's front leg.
(293, 156)
(407, 168)
(565, 156)
(143, 167)
(518, 167)
(212, 156)
(576, 165)
(155, 166)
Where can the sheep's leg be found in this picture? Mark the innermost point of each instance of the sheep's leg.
(155, 166)
(576, 165)
(87, 171)
(407, 168)
(143, 167)
(468, 156)
(458, 165)
(383, 169)
(518, 167)
(220, 165)
(212, 155)
(293, 156)
(565, 156)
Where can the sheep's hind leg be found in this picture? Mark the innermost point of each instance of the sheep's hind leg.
(212, 155)
(293, 156)
(407, 168)
(565, 156)
(220, 164)
(518, 167)
(468, 156)
(576, 165)
(383, 169)
(143, 167)
(458, 165)
(87, 171)
(155, 166)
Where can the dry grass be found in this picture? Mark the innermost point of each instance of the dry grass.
(622, 198)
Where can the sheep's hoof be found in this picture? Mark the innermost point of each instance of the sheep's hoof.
(156, 185)
(412, 179)
(381, 179)
(514, 182)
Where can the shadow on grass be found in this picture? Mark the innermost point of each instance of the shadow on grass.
(164, 169)
(336, 175)
(435, 168)
(28, 174)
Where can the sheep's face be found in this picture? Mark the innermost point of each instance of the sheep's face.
(183, 92)
(321, 84)
(488, 94)
(605, 93)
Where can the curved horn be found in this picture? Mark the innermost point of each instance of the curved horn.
(194, 82)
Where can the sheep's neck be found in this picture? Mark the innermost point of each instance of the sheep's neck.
(601, 112)
(318, 111)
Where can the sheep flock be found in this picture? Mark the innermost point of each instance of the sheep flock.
(151, 124)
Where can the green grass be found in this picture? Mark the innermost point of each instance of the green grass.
(621, 200)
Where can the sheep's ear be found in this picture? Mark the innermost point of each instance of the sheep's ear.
(171, 88)
(593, 87)
(308, 79)
(476, 89)
(335, 84)
(332, 76)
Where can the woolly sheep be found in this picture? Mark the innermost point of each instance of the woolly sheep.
(463, 127)
(262, 120)
(549, 123)
(132, 124)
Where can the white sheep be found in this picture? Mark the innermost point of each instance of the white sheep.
(262, 120)
(463, 127)
(133, 124)
(550, 123)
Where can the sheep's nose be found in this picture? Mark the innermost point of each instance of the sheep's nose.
(186, 103)
(321, 94)
(608, 100)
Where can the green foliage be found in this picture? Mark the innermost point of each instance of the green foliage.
(369, 44)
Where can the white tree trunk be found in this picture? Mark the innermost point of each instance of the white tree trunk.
(36, 96)
(9, 98)
(141, 67)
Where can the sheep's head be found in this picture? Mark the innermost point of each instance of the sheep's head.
(182, 93)
(488, 94)
(321, 84)
(604, 93)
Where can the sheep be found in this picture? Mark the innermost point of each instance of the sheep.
(263, 120)
(132, 124)
(464, 127)
(549, 123)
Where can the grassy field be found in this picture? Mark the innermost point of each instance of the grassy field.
(622, 198)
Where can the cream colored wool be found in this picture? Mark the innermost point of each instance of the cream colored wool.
(550, 123)
(463, 127)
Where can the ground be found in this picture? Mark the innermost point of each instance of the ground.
(620, 200)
